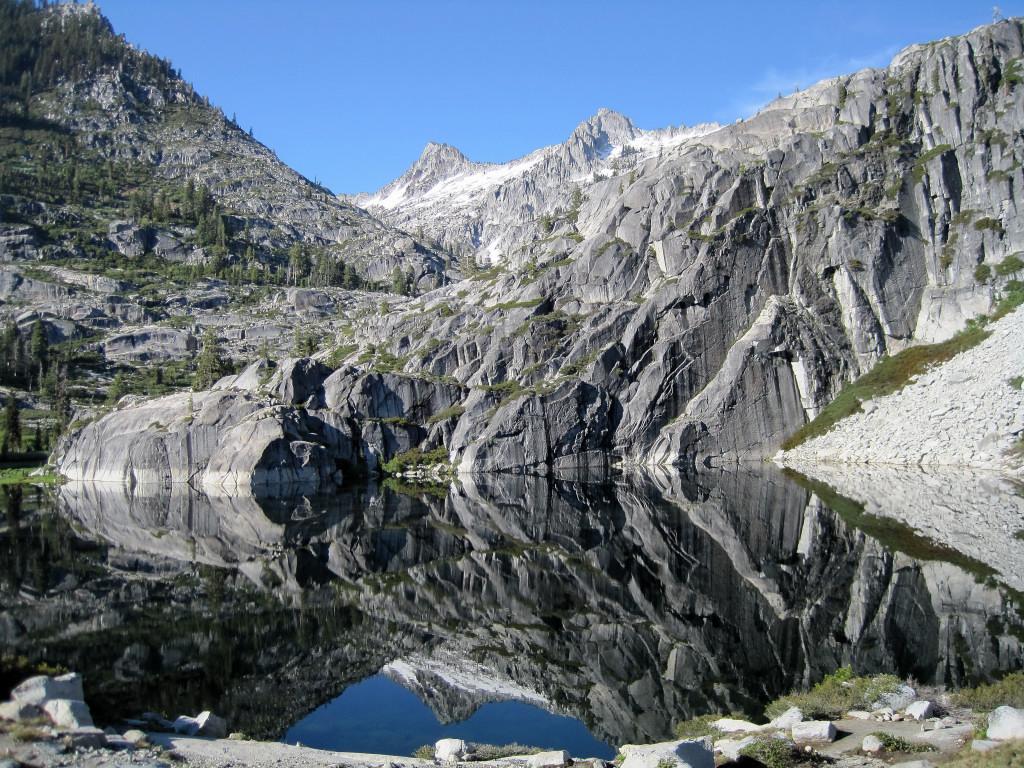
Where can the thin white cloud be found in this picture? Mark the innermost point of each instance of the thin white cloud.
(774, 82)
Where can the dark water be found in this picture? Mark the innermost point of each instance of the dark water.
(515, 609)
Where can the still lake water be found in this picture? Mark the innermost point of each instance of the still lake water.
(510, 610)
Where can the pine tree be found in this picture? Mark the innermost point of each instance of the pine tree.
(210, 364)
(117, 389)
(12, 426)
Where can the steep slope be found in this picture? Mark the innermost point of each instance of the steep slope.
(705, 304)
(102, 141)
(488, 210)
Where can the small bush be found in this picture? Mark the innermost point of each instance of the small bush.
(982, 273)
(415, 457)
(987, 222)
(773, 753)
(448, 413)
(426, 752)
(893, 743)
(985, 698)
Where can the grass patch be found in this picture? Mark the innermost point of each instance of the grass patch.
(700, 726)
(415, 457)
(1009, 755)
(499, 751)
(23, 476)
(893, 743)
(448, 413)
(984, 698)
(890, 375)
(836, 694)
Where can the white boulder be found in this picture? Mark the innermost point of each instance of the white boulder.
(554, 759)
(920, 710)
(787, 719)
(68, 713)
(872, 744)
(136, 738)
(1006, 723)
(817, 731)
(898, 699)
(211, 726)
(688, 753)
(449, 750)
(858, 714)
(42, 688)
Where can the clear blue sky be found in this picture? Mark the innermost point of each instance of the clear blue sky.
(349, 92)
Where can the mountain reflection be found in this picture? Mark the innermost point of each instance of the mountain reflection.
(629, 605)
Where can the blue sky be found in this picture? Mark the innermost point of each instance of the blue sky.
(348, 93)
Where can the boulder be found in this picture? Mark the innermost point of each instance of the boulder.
(136, 738)
(872, 744)
(787, 719)
(185, 725)
(449, 750)
(814, 731)
(984, 745)
(42, 688)
(920, 710)
(211, 726)
(691, 753)
(901, 698)
(556, 759)
(68, 713)
(1006, 723)
(731, 725)
(858, 714)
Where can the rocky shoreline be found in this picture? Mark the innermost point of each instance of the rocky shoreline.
(48, 724)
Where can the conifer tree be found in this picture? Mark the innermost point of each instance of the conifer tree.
(210, 364)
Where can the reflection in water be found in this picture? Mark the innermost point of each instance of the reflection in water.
(380, 717)
(628, 606)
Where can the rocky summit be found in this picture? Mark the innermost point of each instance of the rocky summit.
(679, 297)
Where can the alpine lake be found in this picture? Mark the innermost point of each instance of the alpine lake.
(501, 609)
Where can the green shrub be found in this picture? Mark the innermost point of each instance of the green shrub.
(500, 751)
(1009, 265)
(836, 694)
(697, 727)
(986, 697)
(773, 753)
(415, 457)
(448, 413)
(987, 222)
(426, 752)
(1009, 755)
(982, 273)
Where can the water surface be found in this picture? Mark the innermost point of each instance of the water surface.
(604, 612)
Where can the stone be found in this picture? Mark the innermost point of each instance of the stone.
(984, 745)
(858, 714)
(731, 725)
(920, 710)
(914, 764)
(947, 739)
(136, 737)
(18, 710)
(815, 731)
(689, 753)
(555, 759)
(185, 725)
(895, 700)
(787, 719)
(42, 688)
(211, 726)
(1006, 723)
(68, 713)
(86, 737)
(872, 744)
(449, 750)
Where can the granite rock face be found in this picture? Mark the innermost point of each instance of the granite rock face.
(694, 307)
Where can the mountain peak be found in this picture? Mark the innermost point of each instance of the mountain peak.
(440, 152)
